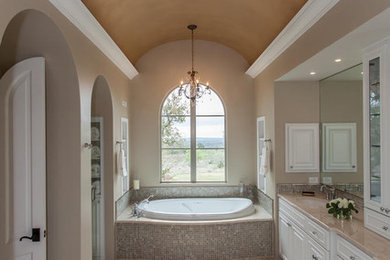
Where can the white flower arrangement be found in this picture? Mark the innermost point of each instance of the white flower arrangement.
(341, 208)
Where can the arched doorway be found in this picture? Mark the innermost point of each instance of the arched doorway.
(32, 34)
(102, 169)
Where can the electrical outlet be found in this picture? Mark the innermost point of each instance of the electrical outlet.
(313, 180)
(327, 180)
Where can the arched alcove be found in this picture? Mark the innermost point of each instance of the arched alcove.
(33, 34)
(102, 111)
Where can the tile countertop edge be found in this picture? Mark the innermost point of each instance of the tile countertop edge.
(369, 251)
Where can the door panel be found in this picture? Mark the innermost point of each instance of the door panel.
(284, 238)
(298, 239)
(22, 102)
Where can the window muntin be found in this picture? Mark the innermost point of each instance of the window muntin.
(193, 139)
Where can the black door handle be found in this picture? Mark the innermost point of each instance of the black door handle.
(35, 237)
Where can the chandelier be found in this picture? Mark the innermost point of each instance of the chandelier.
(193, 89)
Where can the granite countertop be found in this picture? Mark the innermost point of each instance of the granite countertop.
(352, 230)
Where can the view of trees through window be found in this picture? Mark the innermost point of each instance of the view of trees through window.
(194, 131)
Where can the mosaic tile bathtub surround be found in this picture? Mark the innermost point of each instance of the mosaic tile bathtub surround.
(211, 241)
(122, 203)
(192, 192)
(265, 201)
(250, 191)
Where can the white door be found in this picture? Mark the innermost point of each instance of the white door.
(23, 180)
(302, 148)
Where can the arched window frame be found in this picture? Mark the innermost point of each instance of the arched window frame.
(193, 147)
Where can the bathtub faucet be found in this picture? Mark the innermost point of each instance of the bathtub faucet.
(147, 199)
(137, 210)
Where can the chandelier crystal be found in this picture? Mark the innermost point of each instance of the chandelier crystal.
(192, 88)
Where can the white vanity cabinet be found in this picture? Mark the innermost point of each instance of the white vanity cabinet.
(302, 148)
(376, 125)
(299, 237)
(302, 238)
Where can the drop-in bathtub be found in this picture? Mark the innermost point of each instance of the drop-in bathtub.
(197, 208)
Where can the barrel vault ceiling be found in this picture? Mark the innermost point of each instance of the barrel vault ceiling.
(247, 26)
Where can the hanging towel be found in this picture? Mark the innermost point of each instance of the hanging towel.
(122, 167)
(265, 160)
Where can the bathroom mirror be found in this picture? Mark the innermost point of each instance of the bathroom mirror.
(341, 117)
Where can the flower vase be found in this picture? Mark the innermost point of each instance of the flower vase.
(344, 216)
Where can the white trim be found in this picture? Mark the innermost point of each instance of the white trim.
(81, 17)
(125, 138)
(261, 178)
(310, 13)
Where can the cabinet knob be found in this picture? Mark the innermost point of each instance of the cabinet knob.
(387, 211)
(352, 258)
(353, 166)
(382, 209)
(291, 167)
(314, 232)
(314, 257)
(385, 228)
(288, 224)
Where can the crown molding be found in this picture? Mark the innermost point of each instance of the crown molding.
(81, 17)
(309, 14)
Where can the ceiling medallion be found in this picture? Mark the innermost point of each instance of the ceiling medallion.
(193, 89)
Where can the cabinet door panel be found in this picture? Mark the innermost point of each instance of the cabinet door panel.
(298, 239)
(284, 238)
(339, 147)
(302, 148)
(315, 251)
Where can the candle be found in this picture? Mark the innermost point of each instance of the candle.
(136, 184)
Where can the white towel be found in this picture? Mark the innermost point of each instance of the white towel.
(265, 160)
(122, 166)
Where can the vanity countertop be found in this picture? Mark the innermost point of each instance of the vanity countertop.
(352, 230)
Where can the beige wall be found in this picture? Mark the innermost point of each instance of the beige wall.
(295, 102)
(69, 94)
(342, 102)
(161, 69)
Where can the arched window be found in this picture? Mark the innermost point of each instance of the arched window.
(193, 139)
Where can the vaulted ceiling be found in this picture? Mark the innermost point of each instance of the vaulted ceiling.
(248, 26)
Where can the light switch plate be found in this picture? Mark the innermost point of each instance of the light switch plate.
(313, 180)
(327, 180)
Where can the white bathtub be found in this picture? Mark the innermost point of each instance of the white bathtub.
(197, 208)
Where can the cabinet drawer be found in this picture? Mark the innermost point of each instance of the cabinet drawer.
(315, 251)
(293, 214)
(377, 222)
(318, 233)
(347, 251)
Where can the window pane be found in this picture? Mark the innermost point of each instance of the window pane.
(176, 105)
(175, 165)
(209, 105)
(175, 132)
(375, 130)
(210, 165)
(210, 132)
